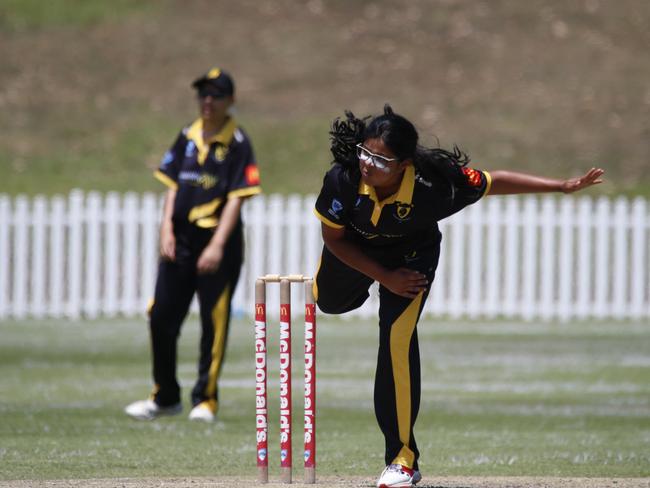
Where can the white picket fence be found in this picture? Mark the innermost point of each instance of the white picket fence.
(91, 255)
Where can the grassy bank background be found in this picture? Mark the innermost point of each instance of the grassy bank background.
(92, 92)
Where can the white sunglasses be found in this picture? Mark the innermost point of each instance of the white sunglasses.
(377, 160)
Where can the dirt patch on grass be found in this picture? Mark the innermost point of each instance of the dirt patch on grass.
(439, 482)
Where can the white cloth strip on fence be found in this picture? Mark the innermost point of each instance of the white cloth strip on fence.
(528, 257)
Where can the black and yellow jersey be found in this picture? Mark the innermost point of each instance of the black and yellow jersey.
(406, 219)
(206, 175)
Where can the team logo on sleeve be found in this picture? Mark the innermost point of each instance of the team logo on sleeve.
(403, 211)
(473, 176)
(167, 158)
(252, 175)
(335, 208)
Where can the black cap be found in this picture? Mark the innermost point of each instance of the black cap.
(218, 79)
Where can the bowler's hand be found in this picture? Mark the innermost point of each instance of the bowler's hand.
(405, 282)
(167, 245)
(210, 259)
(592, 177)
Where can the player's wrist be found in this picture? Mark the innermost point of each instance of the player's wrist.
(166, 227)
(216, 245)
(382, 275)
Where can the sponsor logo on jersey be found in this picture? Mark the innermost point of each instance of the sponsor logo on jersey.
(370, 235)
(194, 178)
(207, 181)
(189, 176)
(252, 175)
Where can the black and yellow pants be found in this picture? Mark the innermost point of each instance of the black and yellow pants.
(340, 289)
(176, 285)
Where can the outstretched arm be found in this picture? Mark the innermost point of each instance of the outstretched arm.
(511, 182)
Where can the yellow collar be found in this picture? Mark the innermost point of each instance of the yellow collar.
(403, 195)
(224, 136)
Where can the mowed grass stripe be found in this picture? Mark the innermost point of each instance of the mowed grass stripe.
(507, 399)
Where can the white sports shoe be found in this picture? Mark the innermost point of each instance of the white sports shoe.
(398, 476)
(202, 412)
(417, 477)
(149, 410)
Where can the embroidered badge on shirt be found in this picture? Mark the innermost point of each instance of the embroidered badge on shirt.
(403, 211)
(220, 153)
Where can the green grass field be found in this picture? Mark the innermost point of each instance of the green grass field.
(499, 399)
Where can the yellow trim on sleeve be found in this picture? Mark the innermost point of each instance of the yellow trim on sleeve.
(488, 177)
(245, 192)
(165, 180)
(327, 221)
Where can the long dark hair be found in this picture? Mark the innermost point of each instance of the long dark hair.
(400, 136)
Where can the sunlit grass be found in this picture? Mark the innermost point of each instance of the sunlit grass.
(498, 399)
(26, 14)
